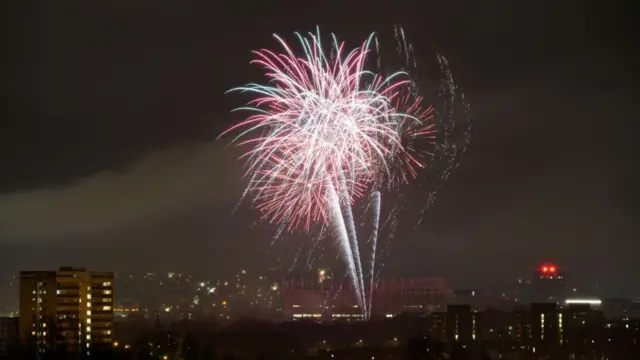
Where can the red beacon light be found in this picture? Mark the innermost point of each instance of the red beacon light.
(545, 269)
(548, 269)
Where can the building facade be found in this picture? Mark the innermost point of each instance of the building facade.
(67, 310)
(549, 284)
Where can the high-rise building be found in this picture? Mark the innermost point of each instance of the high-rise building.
(461, 323)
(70, 309)
(549, 283)
(546, 327)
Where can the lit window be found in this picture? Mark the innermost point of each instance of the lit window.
(88, 321)
(106, 308)
(106, 283)
(89, 312)
(88, 328)
(107, 292)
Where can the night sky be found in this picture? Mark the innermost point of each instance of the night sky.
(109, 158)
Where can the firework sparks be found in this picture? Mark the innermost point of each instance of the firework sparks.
(318, 121)
(325, 132)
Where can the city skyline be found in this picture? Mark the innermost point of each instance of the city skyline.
(111, 156)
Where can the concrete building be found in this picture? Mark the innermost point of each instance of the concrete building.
(549, 284)
(66, 310)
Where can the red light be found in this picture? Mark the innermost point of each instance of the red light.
(552, 269)
(545, 269)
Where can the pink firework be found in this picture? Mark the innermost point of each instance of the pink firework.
(324, 124)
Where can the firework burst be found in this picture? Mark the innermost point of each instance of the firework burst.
(320, 123)
(325, 132)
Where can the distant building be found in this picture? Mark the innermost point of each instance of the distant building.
(333, 299)
(8, 336)
(70, 309)
(546, 325)
(540, 329)
(621, 308)
(549, 283)
(461, 323)
(582, 324)
(464, 297)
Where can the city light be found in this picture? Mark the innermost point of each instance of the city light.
(583, 302)
(548, 269)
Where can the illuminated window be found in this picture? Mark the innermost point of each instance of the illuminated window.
(106, 308)
(106, 283)
(107, 292)
(88, 321)
(89, 312)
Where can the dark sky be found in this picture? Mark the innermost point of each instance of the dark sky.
(111, 109)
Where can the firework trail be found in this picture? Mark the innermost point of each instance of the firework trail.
(344, 242)
(449, 117)
(353, 240)
(375, 203)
